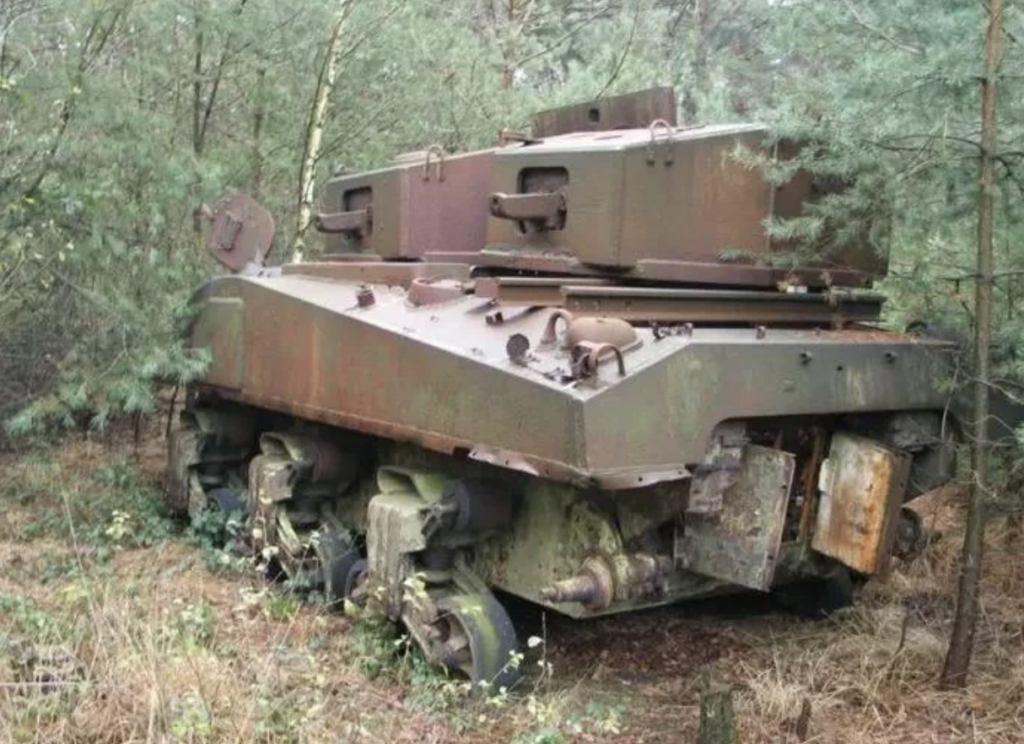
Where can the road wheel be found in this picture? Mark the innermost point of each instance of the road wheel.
(478, 641)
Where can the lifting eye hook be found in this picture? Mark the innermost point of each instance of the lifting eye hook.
(437, 150)
(664, 126)
(550, 335)
(586, 358)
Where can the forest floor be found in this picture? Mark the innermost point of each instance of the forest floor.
(115, 626)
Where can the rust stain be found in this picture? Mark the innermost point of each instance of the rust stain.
(862, 488)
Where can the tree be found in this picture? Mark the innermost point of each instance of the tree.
(315, 127)
(958, 658)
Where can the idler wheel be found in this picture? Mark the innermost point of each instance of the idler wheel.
(476, 639)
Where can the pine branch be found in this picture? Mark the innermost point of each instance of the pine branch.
(879, 32)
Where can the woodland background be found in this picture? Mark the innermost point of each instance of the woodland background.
(118, 118)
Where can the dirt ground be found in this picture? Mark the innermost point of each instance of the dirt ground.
(116, 627)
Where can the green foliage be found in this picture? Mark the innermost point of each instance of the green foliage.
(110, 141)
(191, 719)
(136, 517)
(890, 97)
(282, 607)
(215, 534)
(101, 510)
(196, 625)
(28, 619)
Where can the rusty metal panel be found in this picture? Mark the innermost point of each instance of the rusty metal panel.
(719, 306)
(862, 485)
(533, 291)
(380, 272)
(662, 204)
(740, 543)
(702, 205)
(426, 201)
(629, 111)
(312, 349)
(220, 327)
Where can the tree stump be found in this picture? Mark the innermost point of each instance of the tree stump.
(717, 722)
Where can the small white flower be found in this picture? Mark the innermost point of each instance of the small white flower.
(534, 641)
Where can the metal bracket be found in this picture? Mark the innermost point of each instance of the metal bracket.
(586, 357)
(544, 210)
(239, 232)
(664, 126)
(358, 222)
(437, 150)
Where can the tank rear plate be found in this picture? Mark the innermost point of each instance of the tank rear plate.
(740, 542)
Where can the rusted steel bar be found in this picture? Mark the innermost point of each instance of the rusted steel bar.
(378, 272)
(809, 505)
(535, 291)
(543, 209)
(713, 306)
(355, 222)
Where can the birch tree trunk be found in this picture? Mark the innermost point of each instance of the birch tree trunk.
(958, 658)
(315, 129)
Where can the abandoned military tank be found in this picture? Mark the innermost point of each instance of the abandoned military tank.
(566, 368)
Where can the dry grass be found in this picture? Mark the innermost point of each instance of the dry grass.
(870, 673)
(158, 649)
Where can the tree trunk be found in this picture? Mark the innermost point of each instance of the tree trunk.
(197, 117)
(717, 722)
(315, 129)
(696, 86)
(202, 111)
(256, 183)
(958, 658)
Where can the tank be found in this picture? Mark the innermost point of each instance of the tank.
(596, 408)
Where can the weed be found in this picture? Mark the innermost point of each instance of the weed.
(283, 606)
(216, 534)
(275, 720)
(191, 719)
(29, 619)
(137, 518)
(196, 625)
(542, 735)
(106, 509)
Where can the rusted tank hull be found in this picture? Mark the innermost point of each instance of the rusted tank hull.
(439, 376)
(506, 376)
